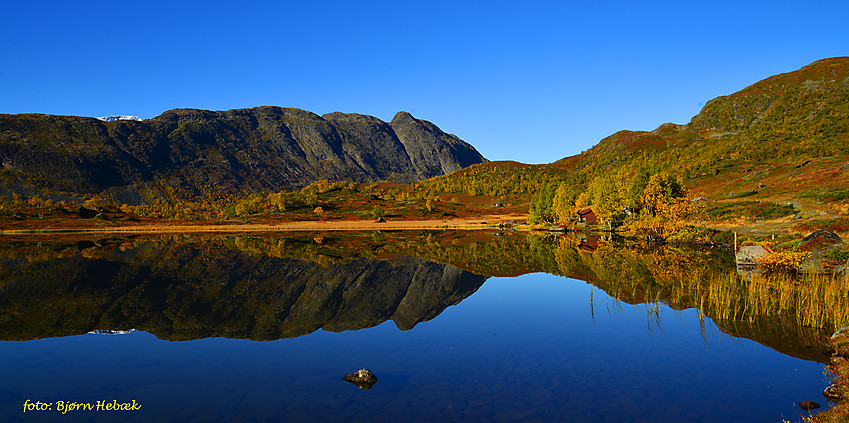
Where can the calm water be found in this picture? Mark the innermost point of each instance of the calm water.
(532, 348)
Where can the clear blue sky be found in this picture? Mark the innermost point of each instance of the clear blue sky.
(526, 81)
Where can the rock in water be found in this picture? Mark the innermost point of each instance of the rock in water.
(808, 405)
(363, 378)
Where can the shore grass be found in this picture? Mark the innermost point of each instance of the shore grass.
(248, 227)
(816, 300)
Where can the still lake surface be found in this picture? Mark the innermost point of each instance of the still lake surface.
(536, 347)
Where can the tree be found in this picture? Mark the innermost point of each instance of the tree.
(661, 192)
(561, 205)
(666, 206)
(607, 198)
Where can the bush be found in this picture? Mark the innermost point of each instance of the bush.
(774, 211)
(789, 245)
(724, 237)
(831, 225)
(838, 254)
(692, 234)
(742, 194)
(781, 261)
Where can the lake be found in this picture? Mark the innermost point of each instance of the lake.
(234, 328)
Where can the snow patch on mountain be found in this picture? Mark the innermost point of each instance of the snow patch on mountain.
(119, 117)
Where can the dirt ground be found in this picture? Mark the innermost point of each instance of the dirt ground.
(270, 225)
(760, 229)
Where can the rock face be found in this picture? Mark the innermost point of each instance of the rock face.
(234, 151)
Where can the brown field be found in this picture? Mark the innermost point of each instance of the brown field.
(258, 225)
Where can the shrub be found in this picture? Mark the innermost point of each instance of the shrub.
(692, 234)
(838, 254)
(832, 225)
(724, 237)
(774, 211)
(781, 261)
(789, 245)
(742, 194)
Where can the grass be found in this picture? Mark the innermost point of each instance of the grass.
(826, 194)
(761, 210)
(840, 224)
(741, 194)
(817, 300)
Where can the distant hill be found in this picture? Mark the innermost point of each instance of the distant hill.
(782, 140)
(235, 151)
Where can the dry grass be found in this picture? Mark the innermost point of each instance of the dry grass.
(819, 301)
(478, 222)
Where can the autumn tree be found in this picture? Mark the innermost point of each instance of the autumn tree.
(563, 201)
(608, 199)
(665, 207)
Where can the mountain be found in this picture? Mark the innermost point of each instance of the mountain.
(804, 112)
(783, 138)
(782, 143)
(234, 151)
(119, 117)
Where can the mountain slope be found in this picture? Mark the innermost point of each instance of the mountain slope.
(234, 151)
(783, 138)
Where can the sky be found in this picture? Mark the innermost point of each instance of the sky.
(527, 81)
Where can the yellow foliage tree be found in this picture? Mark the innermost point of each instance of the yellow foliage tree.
(666, 207)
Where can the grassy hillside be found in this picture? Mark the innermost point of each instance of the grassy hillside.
(784, 137)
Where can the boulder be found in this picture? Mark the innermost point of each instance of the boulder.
(834, 392)
(816, 244)
(748, 254)
(819, 239)
(809, 405)
(363, 378)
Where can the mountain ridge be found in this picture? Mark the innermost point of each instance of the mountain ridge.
(266, 148)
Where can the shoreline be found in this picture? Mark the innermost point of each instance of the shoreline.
(479, 222)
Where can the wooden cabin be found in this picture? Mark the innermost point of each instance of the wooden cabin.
(587, 216)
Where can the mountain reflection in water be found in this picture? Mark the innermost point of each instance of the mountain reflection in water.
(271, 287)
(181, 291)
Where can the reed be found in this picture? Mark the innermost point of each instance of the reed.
(817, 300)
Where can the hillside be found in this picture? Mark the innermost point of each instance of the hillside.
(782, 138)
(774, 150)
(199, 152)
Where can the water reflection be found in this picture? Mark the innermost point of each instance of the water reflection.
(199, 288)
(535, 347)
(271, 287)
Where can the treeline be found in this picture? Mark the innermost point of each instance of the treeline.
(493, 179)
(651, 203)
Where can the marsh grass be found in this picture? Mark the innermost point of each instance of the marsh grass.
(817, 300)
